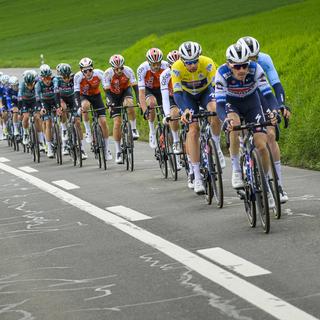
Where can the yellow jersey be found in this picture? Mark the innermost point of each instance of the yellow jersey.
(193, 82)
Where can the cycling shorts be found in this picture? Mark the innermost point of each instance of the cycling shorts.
(117, 100)
(71, 106)
(28, 105)
(96, 102)
(156, 93)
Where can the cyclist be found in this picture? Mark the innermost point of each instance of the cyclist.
(236, 92)
(170, 108)
(1, 94)
(63, 85)
(86, 93)
(11, 103)
(46, 101)
(192, 78)
(27, 103)
(149, 88)
(267, 65)
(118, 83)
(4, 110)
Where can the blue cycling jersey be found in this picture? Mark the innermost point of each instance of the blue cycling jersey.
(267, 65)
(10, 98)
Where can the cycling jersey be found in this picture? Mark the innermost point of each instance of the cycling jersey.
(10, 98)
(24, 93)
(193, 82)
(63, 87)
(266, 63)
(86, 86)
(117, 84)
(148, 78)
(166, 90)
(228, 87)
(45, 92)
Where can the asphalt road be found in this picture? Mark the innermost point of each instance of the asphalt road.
(65, 256)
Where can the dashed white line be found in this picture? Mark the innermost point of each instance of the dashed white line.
(233, 262)
(65, 184)
(262, 299)
(3, 159)
(28, 169)
(128, 213)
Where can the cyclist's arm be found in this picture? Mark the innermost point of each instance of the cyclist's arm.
(177, 89)
(164, 81)
(56, 89)
(136, 92)
(142, 91)
(76, 88)
(221, 96)
(108, 95)
(38, 95)
(133, 81)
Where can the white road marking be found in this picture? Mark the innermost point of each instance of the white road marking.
(3, 159)
(233, 262)
(28, 169)
(262, 299)
(128, 213)
(65, 184)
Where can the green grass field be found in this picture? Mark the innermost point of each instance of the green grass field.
(288, 30)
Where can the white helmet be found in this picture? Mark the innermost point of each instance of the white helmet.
(252, 44)
(1, 74)
(237, 53)
(45, 71)
(116, 61)
(5, 79)
(190, 50)
(86, 63)
(173, 56)
(154, 55)
(13, 81)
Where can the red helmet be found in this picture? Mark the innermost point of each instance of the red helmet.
(173, 56)
(154, 55)
(116, 61)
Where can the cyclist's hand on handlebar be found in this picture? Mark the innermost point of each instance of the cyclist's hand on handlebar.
(186, 117)
(286, 112)
(274, 117)
(228, 124)
(146, 114)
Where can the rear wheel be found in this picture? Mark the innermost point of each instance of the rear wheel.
(101, 148)
(216, 175)
(274, 186)
(77, 144)
(57, 143)
(172, 159)
(160, 152)
(128, 146)
(184, 156)
(261, 189)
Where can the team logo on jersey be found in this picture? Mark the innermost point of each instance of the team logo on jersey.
(177, 86)
(176, 72)
(201, 75)
(209, 67)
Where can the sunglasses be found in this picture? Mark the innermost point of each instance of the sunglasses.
(118, 69)
(87, 70)
(47, 78)
(240, 66)
(191, 62)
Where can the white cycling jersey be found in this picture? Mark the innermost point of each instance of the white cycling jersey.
(148, 78)
(110, 77)
(166, 90)
(88, 86)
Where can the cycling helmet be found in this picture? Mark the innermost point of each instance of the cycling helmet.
(237, 53)
(173, 56)
(45, 71)
(13, 81)
(116, 61)
(86, 63)
(253, 45)
(5, 79)
(154, 55)
(65, 69)
(29, 76)
(190, 50)
(1, 74)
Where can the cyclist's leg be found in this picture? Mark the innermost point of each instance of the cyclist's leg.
(48, 127)
(39, 127)
(15, 120)
(115, 114)
(151, 102)
(128, 101)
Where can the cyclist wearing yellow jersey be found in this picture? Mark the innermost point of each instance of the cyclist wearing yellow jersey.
(192, 77)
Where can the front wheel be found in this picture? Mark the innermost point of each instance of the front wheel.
(101, 148)
(172, 158)
(160, 153)
(127, 145)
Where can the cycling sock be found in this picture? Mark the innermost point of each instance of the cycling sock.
(151, 127)
(235, 159)
(277, 165)
(87, 126)
(196, 171)
(15, 128)
(106, 144)
(117, 145)
(40, 137)
(63, 126)
(190, 165)
(133, 124)
(175, 136)
(82, 144)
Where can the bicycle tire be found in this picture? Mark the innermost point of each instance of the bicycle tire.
(274, 186)
(77, 145)
(261, 188)
(159, 152)
(248, 196)
(184, 156)
(72, 138)
(172, 160)
(204, 164)
(58, 143)
(216, 175)
(128, 144)
(101, 146)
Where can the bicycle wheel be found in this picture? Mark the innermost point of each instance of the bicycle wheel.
(128, 146)
(72, 138)
(172, 160)
(274, 186)
(77, 144)
(183, 156)
(57, 143)
(160, 152)
(216, 174)
(34, 143)
(261, 189)
(204, 163)
(247, 194)
(101, 148)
